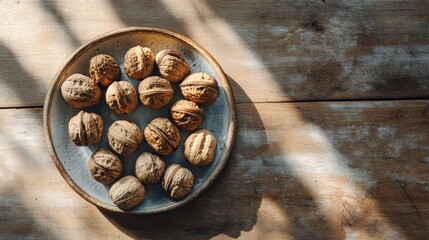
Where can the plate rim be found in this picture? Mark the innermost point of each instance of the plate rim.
(232, 121)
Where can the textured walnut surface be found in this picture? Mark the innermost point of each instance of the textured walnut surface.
(121, 97)
(127, 192)
(200, 88)
(187, 114)
(86, 128)
(104, 166)
(149, 168)
(200, 147)
(124, 137)
(162, 136)
(104, 69)
(155, 92)
(172, 65)
(177, 181)
(80, 91)
(139, 62)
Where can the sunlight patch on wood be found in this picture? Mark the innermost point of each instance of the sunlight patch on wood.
(22, 43)
(102, 19)
(340, 192)
(225, 45)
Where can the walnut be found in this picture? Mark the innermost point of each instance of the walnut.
(149, 168)
(177, 181)
(172, 65)
(200, 148)
(186, 114)
(155, 92)
(124, 137)
(121, 97)
(127, 192)
(105, 167)
(162, 136)
(104, 69)
(200, 88)
(86, 128)
(80, 91)
(139, 62)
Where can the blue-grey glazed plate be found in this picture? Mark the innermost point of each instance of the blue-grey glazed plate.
(72, 161)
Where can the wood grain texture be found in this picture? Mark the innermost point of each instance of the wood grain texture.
(317, 169)
(298, 170)
(276, 50)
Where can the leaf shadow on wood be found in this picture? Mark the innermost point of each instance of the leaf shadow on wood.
(34, 199)
(307, 65)
(22, 204)
(27, 225)
(16, 81)
(275, 179)
(385, 140)
(146, 13)
(51, 8)
(363, 52)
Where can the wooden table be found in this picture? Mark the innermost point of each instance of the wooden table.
(333, 119)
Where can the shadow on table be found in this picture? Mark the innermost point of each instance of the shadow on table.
(328, 50)
(230, 206)
(51, 8)
(16, 81)
(147, 13)
(322, 50)
(26, 225)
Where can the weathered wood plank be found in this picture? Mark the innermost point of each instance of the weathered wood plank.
(298, 170)
(276, 50)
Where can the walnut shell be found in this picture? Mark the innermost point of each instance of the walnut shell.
(149, 168)
(139, 62)
(127, 192)
(121, 97)
(86, 128)
(155, 92)
(162, 136)
(104, 166)
(187, 114)
(80, 91)
(124, 137)
(172, 65)
(177, 181)
(104, 69)
(200, 148)
(200, 88)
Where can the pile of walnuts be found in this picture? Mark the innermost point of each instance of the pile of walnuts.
(162, 134)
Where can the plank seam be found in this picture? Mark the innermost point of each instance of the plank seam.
(340, 100)
(20, 107)
(286, 101)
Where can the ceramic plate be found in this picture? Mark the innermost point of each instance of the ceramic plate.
(72, 161)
